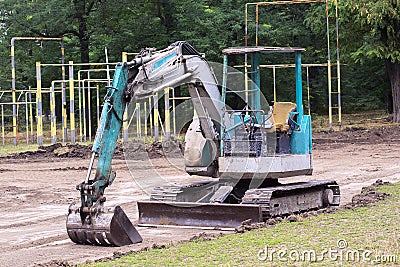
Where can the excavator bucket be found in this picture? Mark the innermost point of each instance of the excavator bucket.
(196, 214)
(103, 229)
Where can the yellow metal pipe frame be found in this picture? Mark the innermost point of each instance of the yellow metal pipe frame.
(13, 76)
(39, 109)
(53, 109)
(173, 99)
(82, 106)
(63, 98)
(81, 82)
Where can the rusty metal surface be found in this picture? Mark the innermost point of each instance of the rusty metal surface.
(261, 49)
(196, 214)
(103, 229)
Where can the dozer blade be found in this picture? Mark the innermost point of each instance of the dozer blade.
(197, 214)
(103, 229)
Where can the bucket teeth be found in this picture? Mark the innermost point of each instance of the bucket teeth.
(104, 229)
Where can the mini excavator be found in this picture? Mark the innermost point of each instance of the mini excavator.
(243, 151)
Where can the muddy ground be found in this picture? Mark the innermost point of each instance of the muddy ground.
(37, 188)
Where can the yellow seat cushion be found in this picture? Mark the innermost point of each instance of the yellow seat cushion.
(280, 114)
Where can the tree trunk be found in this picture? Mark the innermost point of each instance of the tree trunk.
(83, 9)
(393, 70)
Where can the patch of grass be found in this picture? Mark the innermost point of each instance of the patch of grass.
(368, 235)
(367, 119)
(10, 149)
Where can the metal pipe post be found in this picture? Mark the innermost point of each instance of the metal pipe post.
(125, 125)
(31, 115)
(255, 88)
(145, 119)
(155, 120)
(173, 112)
(2, 125)
(53, 115)
(151, 117)
(98, 103)
(64, 113)
(80, 108)
(26, 118)
(71, 101)
(39, 131)
(89, 108)
(167, 114)
(274, 77)
(84, 110)
(338, 65)
(63, 95)
(13, 88)
(299, 86)
(138, 121)
(329, 66)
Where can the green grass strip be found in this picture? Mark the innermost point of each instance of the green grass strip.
(360, 237)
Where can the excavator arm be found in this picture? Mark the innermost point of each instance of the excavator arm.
(148, 73)
(89, 223)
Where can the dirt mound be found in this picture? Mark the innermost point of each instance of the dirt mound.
(54, 263)
(170, 148)
(356, 135)
(136, 150)
(368, 195)
(56, 150)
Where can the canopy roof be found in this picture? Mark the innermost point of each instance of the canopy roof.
(261, 49)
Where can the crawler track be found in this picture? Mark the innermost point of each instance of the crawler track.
(172, 205)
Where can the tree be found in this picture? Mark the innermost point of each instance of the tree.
(373, 31)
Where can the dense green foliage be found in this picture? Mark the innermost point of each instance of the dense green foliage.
(88, 26)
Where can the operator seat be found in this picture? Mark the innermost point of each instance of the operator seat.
(280, 114)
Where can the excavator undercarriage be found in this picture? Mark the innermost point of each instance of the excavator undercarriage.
(216, 204)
